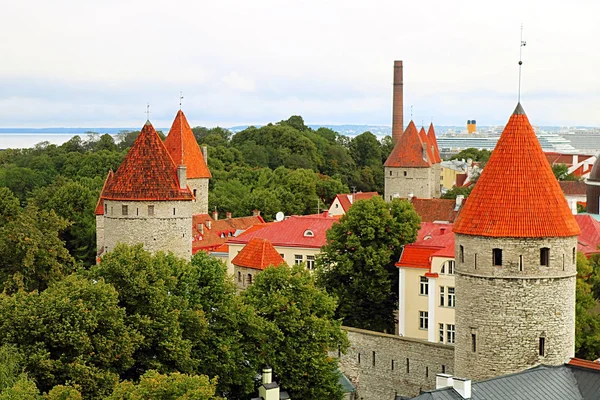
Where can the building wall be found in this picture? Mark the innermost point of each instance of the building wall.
(437, 183)
(509, 310)
(200, 205)
(244, 277)
(415, 364)
(414, 302)
(417, 181)
(99, 232)
(336, 208)
(443, 314)
(163, 231)
(288, 254)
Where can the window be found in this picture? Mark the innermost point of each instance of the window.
(542, 346)
(337, 205)
(124, 210)
(442, 294)
(105, 208)
(496, 257)
(137, 211)
(373, 358)
(448, 267)
(249, 279)
(450, 333)
(281, 254)
(173, 210)
(520, 263)
(424, 286)
(392, 365)
(574, 255)
(298, 259)
(239, 276)
(441, 333)
(443, 369)
(390, 173)
(475, 260)
(359, 358)
(426, 372)
(407, 365)
(404, 173)
(112, 210)
(423, 320)
(309, 233)
(473, 342)
(545, 256)
(462, 254)
(310, 262)
(194, 192)
(451, 297)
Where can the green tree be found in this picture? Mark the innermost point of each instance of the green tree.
(587, 319)
(561, 172)
(365, 150)
(357, 263)
(305, 331)
(174, 386)
(456, 191)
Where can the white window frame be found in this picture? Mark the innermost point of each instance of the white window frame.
(441, 330)
(423, 286)
(298, 259)
(310, 262)
(450, 333)
(442, 296)
(423, 320)
(451, 297)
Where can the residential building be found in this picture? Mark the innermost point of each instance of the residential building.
(575, 192)
(257, 255)
(209, 233)
(342, 202)
(579, 165)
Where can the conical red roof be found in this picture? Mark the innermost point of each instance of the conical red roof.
(258, 254)
(427, 143)
(408, 151)
(184, 149)
(433, 142)
(100, 204)
(147, 173)
(517, 194)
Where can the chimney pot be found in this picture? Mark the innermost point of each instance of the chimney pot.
(326, 214)
(228, 215)
(267, 375)
(201, 229)
(209, 224)
(256, 213)
(216, 215)
(205, 154)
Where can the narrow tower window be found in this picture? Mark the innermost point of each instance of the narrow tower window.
(390, 173)
(520, 263)
(173, 210)
(249, 279)
(150, 211)
(475, 260)
(407, 365)
(124, 210)
(545, 256)
(542, 348)
(497, 257)
(392, 365)
(404, 173)
(574, 255)
(194, 192)
(373, 358)
(462, 254)
(473, 342)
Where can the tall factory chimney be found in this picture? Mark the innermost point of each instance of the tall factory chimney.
(398, 103)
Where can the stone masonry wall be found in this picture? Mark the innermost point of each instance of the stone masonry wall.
(169, 229)
(200, 206)
(508, 308)
(437, 181)
(99, 232)
(380, 365)
(417, 181)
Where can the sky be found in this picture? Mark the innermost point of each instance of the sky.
(82, 63)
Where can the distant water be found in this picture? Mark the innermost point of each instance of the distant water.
(20, 140)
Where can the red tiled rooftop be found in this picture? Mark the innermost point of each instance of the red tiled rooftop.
(447, 251)
(345, 199)
(573, 188)
(433, 142)
(100, 204)
(428, 145)
(517, 194)
(184, 149)
(215, 233)
(578, 362)
(435, 209)
(258, 254)
(408, 151)
(416, 256)
(431, 230)
(589, 239)
(147, 173)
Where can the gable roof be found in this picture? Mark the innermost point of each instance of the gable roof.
(147, 172)
(433, 142)
(436, 209)
(517, 194)
(431, 241)
(100, 204)
(589, 239)
(573, 188)
(291, 232)
(208, 234)
(184, 149)
(428, 145)
(258, 254)
(408, 151)
(347, 199)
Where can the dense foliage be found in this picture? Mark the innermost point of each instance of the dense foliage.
(587, 308)
(357, 263)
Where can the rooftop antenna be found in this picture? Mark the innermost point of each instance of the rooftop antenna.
(318, 205)
(180, 98)
(148, 112)
(523, 44)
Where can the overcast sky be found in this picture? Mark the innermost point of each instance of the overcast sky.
(76, 63)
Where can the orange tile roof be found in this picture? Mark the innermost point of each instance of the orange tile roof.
(517, 194)
(447, 251)
(578, 362)
(435, 209)
(416, 256)
(573, 188)
(184, 149)
(589, 239)
(147, 173)
(432, 230)
(433, 141)
(100, 204)
(220, 231)
(258, 254)
(428, 145)
(408, 151)
(419, 253)
(345, 198)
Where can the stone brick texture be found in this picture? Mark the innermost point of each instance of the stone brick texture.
(163, 231)
(415, 364)
(200, 206)
(417, 181)
(509, 309)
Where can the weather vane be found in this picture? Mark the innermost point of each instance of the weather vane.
(148, 112)
(180, 98)
(523, 44)
(411, 113)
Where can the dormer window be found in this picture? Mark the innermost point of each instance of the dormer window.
(309, 233)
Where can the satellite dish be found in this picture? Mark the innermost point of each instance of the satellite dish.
(279, 216)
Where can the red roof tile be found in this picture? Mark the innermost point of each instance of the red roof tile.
(429, 244)
(147, 173)
(416, 256)
(100, 204)
(589, 239)
(184, 149)
(258, 254)
(433, 141)
(213, 234)
(293, 232)
(573, 188)
(428, 145)
(447, 252)
(431, 230)
(408, 151)
(435, 209)
(517, 194)
(344, 199)
(578, 362)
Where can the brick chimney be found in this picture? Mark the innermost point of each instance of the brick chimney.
(228, 215)
(205, 154)
(256, 213)
(216, 214)
(397, 103)
(182, 176)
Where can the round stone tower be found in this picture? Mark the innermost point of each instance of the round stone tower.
(184, 150)
(516, 242)
(147, 200)
(593, 189)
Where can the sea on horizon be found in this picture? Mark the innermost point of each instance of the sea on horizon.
(23, 140)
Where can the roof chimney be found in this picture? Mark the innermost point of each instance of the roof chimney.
(326, 214)
(397, 103)
(267, 375)
(208, 224)
(463, 387)
(201, 228)
(351, 198)
(205, 154)
(443, 380)
(269, 390)
(410, 196)
(182, 176)
(228, 215)
(256, 213)
(216, 214)
(459, 200)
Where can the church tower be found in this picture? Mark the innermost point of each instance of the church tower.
(515, 243)
(184, 150)
(409, 167)
(147, 200)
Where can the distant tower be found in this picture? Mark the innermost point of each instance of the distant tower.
(593, 189)
(409, 167)
(471, 126)
(398, 103)
(184, 150)
(437, 166)
(147, 200)
(516, 242)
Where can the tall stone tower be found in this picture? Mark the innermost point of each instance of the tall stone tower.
(409, 167)
(184, 150)
(397, 103)
(515, 243)
(147, 200)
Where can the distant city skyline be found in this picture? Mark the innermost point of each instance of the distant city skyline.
(80, 63)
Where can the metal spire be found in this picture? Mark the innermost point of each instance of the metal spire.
(148, 112)
(523, 44)
(180, 98)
